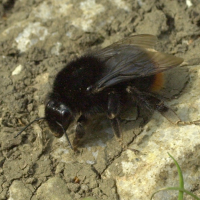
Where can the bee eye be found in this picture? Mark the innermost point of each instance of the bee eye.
(51, 104)
(66, 113)
(62, 107)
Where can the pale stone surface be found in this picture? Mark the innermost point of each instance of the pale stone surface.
(152, 169)
(53, 189)
(19, 191)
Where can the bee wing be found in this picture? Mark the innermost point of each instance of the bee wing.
(132, 60)
(144, 40)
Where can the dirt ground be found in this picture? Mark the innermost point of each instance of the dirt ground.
(37, 39)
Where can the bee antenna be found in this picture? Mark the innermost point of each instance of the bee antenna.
(67, 138)
(28, 126)
(66, 135)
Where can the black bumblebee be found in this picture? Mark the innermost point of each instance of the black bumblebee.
(102, 81)
(105, 80)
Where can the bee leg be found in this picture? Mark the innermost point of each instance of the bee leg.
(168, 113)
(171, 116)
(115, 123)
(153, 103)
(80, 131)
(113, 112)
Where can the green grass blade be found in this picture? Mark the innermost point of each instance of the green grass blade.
(178, 189)
(181, 181)
(181, 185)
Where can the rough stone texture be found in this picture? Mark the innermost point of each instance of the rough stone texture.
(37, 39)
(19, 191)
(53, 189)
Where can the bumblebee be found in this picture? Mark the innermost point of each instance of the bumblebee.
(105, 80)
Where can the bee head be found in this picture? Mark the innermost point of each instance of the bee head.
(58, 117)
